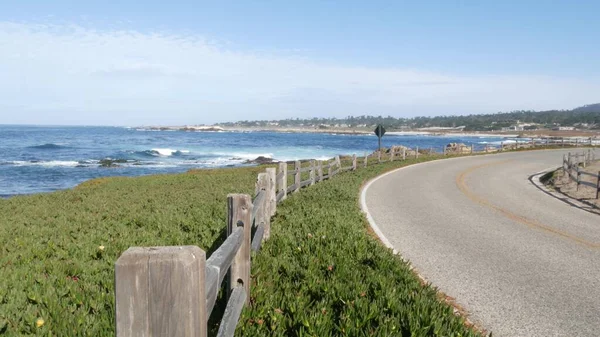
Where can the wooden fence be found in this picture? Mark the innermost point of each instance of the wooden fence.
(171, 291)
(572, 166)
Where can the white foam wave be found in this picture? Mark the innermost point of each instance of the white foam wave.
(51, 163)
(169, 152)
(241, 156)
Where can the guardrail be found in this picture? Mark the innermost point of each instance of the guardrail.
(171, 291)
(572, 164)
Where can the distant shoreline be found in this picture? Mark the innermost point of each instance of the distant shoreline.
(543, 133)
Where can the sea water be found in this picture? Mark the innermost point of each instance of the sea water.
(47, 158)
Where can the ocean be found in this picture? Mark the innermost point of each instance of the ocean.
(37, 159)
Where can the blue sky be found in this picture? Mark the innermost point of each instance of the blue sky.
(74, 62)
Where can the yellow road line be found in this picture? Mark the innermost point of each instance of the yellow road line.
(462, 186)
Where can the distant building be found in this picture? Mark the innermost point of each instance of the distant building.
(513, 128)
(564, 128)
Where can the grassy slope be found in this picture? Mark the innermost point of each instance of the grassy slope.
(322, 274)
(50, 264)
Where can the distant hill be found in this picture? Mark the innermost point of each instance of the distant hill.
(584, 117)
(588, 108)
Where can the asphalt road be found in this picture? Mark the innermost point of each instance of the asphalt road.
(521, 262)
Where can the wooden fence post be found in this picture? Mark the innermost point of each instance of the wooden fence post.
(379, 156)
(471, 148)
(501, 146)
(320, 171)
(330, 170)
(297, 176)
(578, 176)
(263, 215)
(403, 153)
(365, 163)
(563, 163)
(589, 156)
(146, 302)
(272, 192)
(417, 152)
(354, 162)
(598, 186)
(239, 213)
(282, 182)
(576, 142)
(313, 166)
(562, 140)
(444, 148)
(392, 153)
(338, 162)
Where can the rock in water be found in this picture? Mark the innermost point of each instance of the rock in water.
(260, 160)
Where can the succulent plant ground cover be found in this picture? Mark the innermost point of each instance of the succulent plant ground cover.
(320, 274)
(57, 250)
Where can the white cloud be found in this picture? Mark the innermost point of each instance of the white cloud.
(74, 75)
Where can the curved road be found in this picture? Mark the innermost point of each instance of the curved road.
(522, 263)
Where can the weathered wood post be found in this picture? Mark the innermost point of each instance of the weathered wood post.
(379, 156)
(338, 162)
(354, 162)
(330, 170)
(282, 181)
(160, 291)
(297, 176)
(578, 176)
(239, 214)
(320, 171)
(313, 166)
(392, 153)
(365, 163)
(272, 192)
(562, 140)
(598, 186)
(403, 153)
(263, 215)
(444, 148)
(589, 156)
(417, 152)
(501, 146)
(431, 153)
(576, 142)
(471, 148)
(563, 163)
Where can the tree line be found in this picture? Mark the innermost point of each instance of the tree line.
(585, 117)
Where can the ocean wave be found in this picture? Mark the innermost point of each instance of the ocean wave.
(49, 163)
(236, 156)
(506, 141)
(160, 152)
(169, 152)
(48, 146)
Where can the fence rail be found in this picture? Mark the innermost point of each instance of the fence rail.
(171, 291)
(572, 164)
